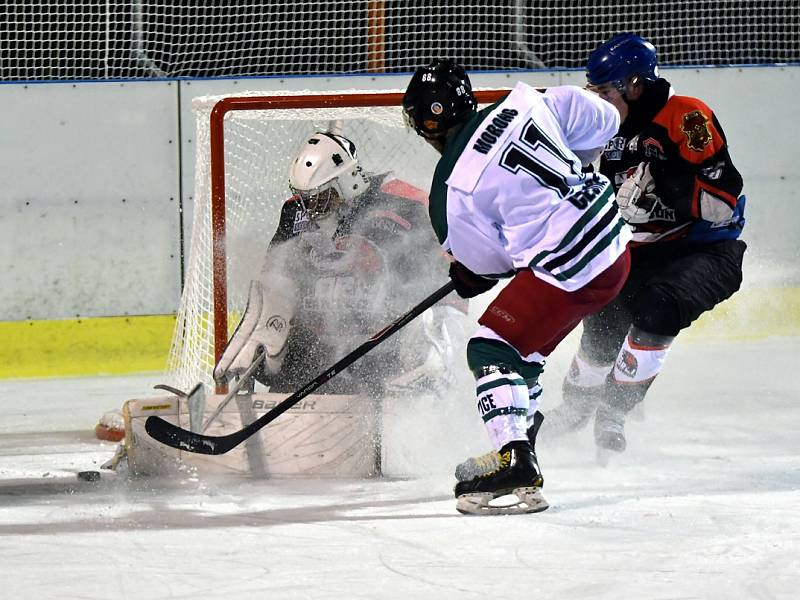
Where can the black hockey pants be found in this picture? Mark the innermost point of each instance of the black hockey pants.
(669, 286)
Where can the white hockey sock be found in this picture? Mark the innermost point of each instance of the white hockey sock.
(503, 406)
(638, 363)
(534, 399)
(582, 373)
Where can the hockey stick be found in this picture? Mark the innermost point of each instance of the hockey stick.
(182, 439)
(240, 383)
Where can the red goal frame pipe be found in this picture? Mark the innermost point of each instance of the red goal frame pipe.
(217, 150)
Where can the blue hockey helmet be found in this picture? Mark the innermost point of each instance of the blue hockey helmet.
(439, 96)
(620, 59)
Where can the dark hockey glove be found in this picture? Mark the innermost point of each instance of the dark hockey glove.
(468, 284)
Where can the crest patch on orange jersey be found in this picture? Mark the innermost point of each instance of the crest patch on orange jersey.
(695, 127)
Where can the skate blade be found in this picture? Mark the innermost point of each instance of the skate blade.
(528, 500)
(638, 413)
(120, 454)
(602, 457)
(603, 453)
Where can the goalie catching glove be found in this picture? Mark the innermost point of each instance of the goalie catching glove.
(265, 324)
(636, 198)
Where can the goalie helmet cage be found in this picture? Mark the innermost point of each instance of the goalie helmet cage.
(244, 146)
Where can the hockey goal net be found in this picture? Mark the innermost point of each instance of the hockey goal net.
(245, 144)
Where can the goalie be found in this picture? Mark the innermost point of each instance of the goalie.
(347, 254)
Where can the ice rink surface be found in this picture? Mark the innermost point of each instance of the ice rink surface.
(705, 503)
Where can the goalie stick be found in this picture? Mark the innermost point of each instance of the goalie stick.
(182, 439)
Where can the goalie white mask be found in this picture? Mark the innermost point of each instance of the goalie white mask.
(326, 173)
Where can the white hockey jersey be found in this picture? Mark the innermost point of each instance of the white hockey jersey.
(509, 192)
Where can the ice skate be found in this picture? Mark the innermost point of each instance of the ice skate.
(478, 466)
(638, 413)
(484, 464)
(574, 412)
(517, 475)
(609, 428)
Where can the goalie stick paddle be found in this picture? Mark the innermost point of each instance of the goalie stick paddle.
(183, 439)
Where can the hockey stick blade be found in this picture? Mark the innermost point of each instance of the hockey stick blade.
(183, 439)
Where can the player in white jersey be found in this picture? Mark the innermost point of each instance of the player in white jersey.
(509, 199)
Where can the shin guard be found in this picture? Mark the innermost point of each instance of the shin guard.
(503, 401)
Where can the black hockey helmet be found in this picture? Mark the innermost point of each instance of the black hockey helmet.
(438, 97)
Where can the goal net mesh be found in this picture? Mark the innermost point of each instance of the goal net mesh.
(258, 148)
(114, 39)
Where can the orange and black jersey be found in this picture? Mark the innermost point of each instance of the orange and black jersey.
(695, 180)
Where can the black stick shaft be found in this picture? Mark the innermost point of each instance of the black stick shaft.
(176, 437)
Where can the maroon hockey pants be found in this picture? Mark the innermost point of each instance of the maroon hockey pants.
(534, 316)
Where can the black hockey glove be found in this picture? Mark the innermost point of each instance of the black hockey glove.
(468, 284)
